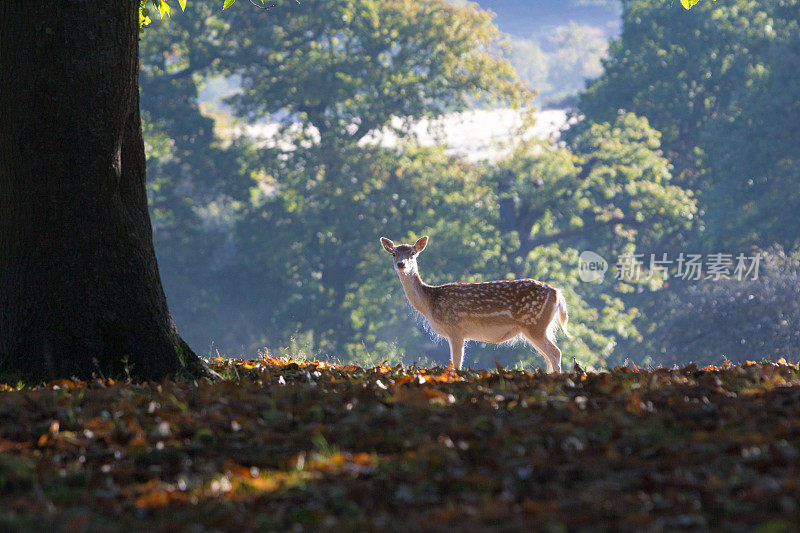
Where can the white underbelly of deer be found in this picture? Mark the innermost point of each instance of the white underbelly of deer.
(483, 332)
(494, 311)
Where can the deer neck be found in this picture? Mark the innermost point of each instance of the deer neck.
(416, 292)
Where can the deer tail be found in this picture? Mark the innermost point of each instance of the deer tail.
(563, 316)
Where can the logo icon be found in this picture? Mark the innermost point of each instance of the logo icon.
(591, 267)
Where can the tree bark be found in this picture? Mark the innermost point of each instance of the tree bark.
(80, 292)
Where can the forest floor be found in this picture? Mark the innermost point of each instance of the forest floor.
(281, 445)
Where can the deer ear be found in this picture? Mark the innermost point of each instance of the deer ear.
(387, 244)
(421, 244)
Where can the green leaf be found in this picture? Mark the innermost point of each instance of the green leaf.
(227, 4)
(183, 4)
(163, 8)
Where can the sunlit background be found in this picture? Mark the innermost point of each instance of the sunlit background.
(282, 144)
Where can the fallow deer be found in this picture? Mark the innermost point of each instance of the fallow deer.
(493, 311)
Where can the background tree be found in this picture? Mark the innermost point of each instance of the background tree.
(734, 320)
(721, 85)
(348, 68)
(753, 158)
(608, 191)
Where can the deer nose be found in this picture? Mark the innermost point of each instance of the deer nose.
(401, 264)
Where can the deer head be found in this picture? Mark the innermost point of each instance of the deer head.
(405, 255)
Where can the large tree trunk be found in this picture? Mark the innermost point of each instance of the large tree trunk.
(80, 291)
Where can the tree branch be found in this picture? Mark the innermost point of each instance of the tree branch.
(587, 168)
(191, 69)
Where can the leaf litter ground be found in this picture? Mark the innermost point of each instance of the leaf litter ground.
(284, 445)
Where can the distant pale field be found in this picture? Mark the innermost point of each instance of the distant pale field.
(476, 135)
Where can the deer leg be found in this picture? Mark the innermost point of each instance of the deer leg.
(456, 351)
(550, 352)
(555, 354)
